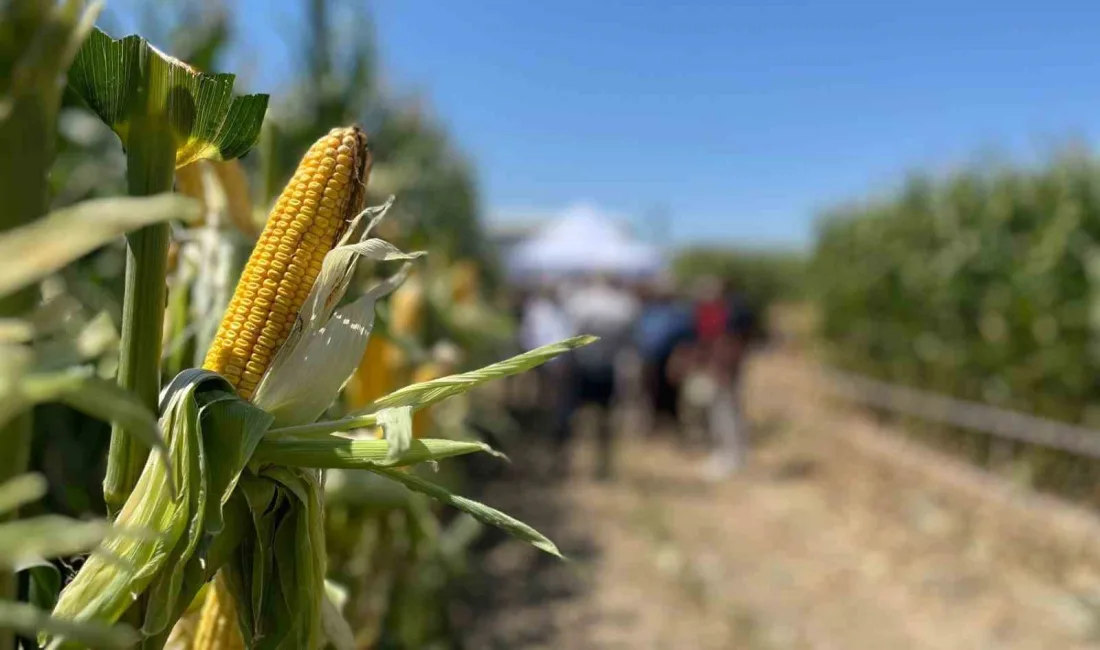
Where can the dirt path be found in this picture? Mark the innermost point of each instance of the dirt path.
(839, 535)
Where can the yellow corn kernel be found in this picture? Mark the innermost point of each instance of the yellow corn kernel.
(217, 628)
(308, 218)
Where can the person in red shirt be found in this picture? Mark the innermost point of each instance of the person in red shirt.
(711, 315)
(724, 328)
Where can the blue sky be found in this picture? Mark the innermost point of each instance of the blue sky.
(738, 121)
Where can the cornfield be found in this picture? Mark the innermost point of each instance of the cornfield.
(983, 285)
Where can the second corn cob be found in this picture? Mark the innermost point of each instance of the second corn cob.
(218, 628)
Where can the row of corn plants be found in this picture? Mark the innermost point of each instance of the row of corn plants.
(984, 285)
(52, 347)
(217, 478)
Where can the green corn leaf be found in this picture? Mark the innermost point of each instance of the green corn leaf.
(335, 626)
(426, 393)
(305, 579)
(277, 577)
(479, 511)
(230, 429)
(340, 453)
(211, 556)
(37, 45)
(165, 588)
(97, 341)
(44, 583)
(20, 491)
(16, 361)
(396, 426)
(47, 536)
(31, 252)
(83, 390)
(247, 574)
(15, 330)
(25, 542)
(210, 433)
(206, 120)
(104, 589)
(29, 620)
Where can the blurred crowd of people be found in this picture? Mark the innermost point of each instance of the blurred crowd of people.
(672, 356)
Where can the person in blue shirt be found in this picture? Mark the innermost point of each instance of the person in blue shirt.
(665, 323)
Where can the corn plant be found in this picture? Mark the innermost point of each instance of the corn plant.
(167, 116)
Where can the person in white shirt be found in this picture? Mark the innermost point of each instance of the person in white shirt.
(602, 309)
(544, 322)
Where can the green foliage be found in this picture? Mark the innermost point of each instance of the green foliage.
(223, 467)
(33, 251)
(37, 41)
(24, 544)
(38, 362)
(126, 81)
(984, 285)
(765, 276)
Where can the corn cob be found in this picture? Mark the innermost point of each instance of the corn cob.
(407, 307)
(182, 636)
(183, 632)
(406, 320)
(304, 225)
(372, 379)
(189, 183)
(232, 185)
(464, 282)
(218, 629)
(325, 192)
(238, 203)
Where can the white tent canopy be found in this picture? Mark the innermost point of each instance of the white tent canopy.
(583, 240)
